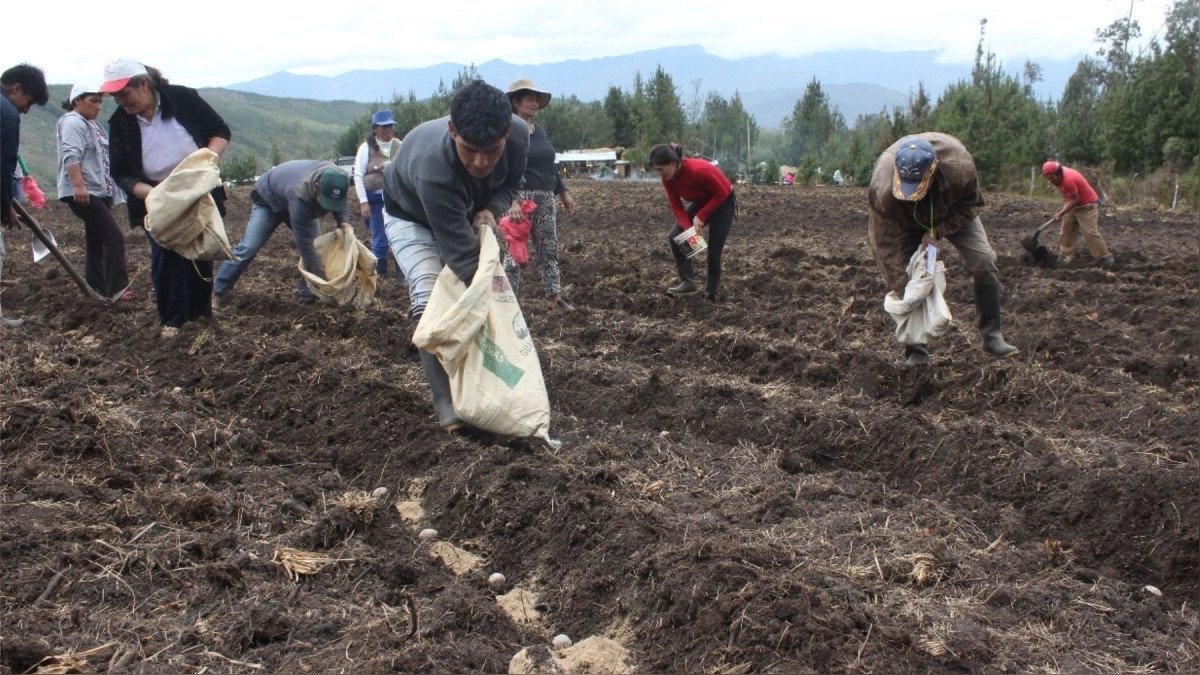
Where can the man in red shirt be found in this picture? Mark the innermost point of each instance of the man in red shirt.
(1080, 212)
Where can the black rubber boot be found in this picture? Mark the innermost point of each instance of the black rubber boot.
(381, 265)
(687, 274)
(439, 387)
(914, 356)
(987, 303)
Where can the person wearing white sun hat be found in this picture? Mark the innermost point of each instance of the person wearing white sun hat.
(86, 186)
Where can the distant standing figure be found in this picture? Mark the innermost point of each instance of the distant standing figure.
(542, 183)
(298, 193)
(924, 188)
(156, 126)
(86, 186)
(379, 149)
(1080, 212)
(711, 203)
(22, 87)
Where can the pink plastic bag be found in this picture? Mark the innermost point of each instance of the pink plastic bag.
(516, 232)
(37, 199)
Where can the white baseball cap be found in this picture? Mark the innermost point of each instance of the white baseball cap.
(118, 73)
(80, 89)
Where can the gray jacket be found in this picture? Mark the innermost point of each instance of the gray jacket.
(79, 143)
(428, 185)
(288, 190)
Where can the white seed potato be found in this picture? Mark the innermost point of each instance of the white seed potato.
(379, 493)
(1152, 590)
(561, 641)
(496, 580)
(427, 534)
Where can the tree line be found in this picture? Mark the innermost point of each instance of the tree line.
(1121, 114)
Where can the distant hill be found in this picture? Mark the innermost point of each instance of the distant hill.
(858, 82)
(301, 128)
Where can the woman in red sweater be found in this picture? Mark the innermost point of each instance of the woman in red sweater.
(711, 204)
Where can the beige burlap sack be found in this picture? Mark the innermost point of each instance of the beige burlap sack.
(921, 313)
(350, 276)
(181, 214)
(479, 334)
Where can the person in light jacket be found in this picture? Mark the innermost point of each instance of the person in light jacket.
(379, 149)
(86, 186)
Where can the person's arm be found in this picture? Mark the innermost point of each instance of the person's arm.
(360, 170)
(9, 137)
(453, 227)
(715, 184)
(1071, 200)
(676, 205)
(72, 140)
(503, 196)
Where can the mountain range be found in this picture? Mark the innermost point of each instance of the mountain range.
(857, 82)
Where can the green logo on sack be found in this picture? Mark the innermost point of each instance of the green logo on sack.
(496, 362)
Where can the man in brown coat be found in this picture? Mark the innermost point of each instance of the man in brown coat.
(924, 187)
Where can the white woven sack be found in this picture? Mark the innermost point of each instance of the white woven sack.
(921, 313)
(350, 276)
(182, 216)
(479, 335)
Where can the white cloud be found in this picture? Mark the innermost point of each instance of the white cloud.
(230, 41)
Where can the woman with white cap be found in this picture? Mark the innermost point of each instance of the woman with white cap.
(379, 149)
(542, 183)
(86, 186)
(157, 126)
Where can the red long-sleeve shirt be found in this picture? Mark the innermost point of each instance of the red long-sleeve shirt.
(698, 182)
(1075, 186)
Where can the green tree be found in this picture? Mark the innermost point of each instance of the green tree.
(664, 120)
(239, 168)
(620, 117)
(812, 124)
(1076, 138)
(571, 123)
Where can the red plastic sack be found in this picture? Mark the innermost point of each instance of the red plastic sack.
(516, 232)
(37, 199)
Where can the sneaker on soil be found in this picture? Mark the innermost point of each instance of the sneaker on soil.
(128, 295)
(1107, 261)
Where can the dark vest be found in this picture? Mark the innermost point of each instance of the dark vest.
(373, 177)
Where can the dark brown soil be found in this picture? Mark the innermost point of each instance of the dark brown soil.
(747, 487)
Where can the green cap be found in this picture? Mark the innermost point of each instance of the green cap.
(331, 189)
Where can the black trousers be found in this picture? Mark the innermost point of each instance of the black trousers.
(182, 287)
(720, 222)
(104, 245)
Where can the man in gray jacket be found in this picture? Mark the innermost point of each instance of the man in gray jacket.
(451, 176)
(924, 188)
(297, 193)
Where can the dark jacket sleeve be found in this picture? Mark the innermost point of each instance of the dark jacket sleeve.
(9, 137)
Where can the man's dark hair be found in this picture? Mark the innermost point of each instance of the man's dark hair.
(481, 113)
(31, 79)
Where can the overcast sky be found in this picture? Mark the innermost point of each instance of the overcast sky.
(219, 42)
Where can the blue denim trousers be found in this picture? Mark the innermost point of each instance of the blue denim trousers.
(417, 255)
(259, 229)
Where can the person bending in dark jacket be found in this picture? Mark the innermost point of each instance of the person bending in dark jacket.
(155, 128)
(298, 193)
(452, 175)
